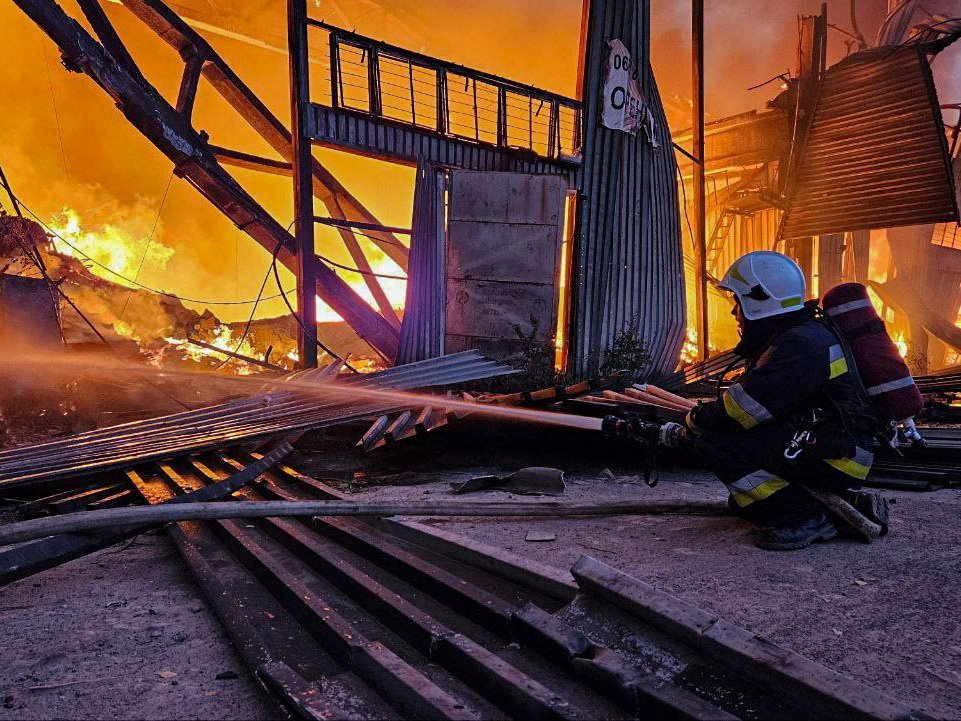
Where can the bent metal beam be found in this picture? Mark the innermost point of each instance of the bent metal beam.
(194, 160)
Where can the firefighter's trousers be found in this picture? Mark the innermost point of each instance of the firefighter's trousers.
(763, 484)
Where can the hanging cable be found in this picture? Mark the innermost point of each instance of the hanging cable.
(146, 249)
(167, 294)
(303, 327)
(56, 113)
(690, 228)
(253, 310)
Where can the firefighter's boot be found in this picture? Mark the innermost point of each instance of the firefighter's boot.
(802, 535)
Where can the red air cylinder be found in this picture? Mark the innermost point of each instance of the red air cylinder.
(883, 372)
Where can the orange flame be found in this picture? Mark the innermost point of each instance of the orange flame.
(111, 246)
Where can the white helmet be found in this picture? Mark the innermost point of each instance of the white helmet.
(766, 283)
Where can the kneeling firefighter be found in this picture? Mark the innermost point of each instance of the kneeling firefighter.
(796, 432)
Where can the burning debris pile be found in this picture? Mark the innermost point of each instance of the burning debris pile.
(58, 301)
(95, 270)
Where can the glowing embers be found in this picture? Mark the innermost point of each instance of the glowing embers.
(223, 338)
(689, 349)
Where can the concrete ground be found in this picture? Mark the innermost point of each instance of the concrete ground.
(121, 634)
(101, 637)
(884, 614)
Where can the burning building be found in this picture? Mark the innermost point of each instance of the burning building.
(374, 102)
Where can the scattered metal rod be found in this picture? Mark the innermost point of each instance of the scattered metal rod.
(89, 520)
(283, 410)
(238, 356)
(360, 225)
(53, 550)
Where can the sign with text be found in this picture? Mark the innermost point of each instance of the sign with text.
(624, 107)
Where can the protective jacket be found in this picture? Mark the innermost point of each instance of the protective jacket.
(798, 377)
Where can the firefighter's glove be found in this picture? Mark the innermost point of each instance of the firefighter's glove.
(673, 435)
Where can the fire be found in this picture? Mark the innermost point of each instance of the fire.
(689, 349)
(394, 288)
(125, 330)
(123, 250)
(901, 342)
(127, 249)
(223, 338)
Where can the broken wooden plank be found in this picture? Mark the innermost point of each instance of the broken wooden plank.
(825, 693)
(55, 550)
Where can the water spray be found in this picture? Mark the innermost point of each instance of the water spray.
(323, 390)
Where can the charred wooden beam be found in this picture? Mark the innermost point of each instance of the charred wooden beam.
(174, 30)
(173, 135)
(238, 159)
(193, 66)
(108, 36)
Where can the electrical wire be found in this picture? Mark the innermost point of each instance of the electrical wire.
(687, 217)
(253, 310)
(358, 270)
(141, 285)
(56, 112)
(303, 327)
(146, 249)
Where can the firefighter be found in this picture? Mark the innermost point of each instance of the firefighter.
(795, 418)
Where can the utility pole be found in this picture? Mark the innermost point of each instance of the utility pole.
(303, 183)
(700, 219)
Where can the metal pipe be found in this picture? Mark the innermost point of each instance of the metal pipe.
(700, 215)
(303, 182)
(170, 512)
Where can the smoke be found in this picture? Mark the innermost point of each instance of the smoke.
(64, 144)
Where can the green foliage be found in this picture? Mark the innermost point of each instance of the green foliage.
(627, 358)
(534, 359)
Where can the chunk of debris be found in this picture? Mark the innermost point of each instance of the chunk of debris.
(540, 536)
(533, 481)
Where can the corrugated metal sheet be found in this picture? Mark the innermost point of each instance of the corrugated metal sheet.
(876, 154)
(628, 256)
(422, 330)
(381, 138)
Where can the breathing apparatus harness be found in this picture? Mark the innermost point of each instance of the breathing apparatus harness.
(862, 408)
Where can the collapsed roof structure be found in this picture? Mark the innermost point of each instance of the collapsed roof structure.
(624, 266)
(841, 151)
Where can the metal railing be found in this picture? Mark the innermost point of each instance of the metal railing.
(406, 87)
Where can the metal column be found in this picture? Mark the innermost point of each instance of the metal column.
(303, 182)
(700, 219)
